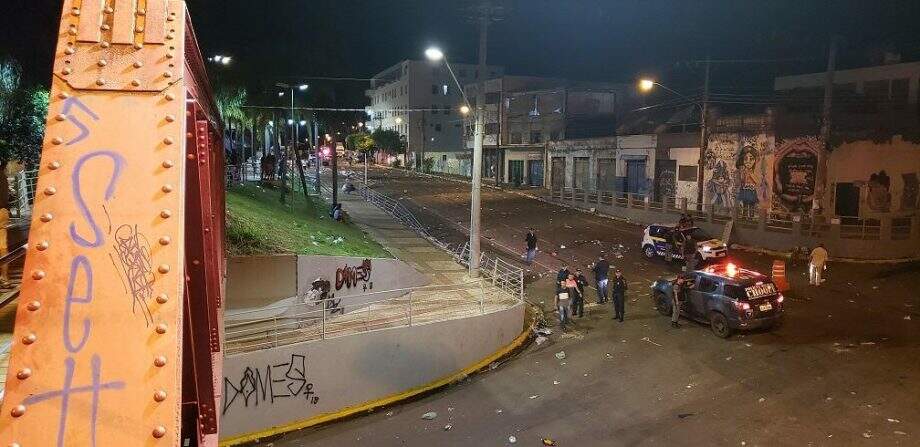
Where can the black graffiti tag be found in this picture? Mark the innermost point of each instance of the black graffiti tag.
(349, 277)
(272, 383)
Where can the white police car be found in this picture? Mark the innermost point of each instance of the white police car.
(658, 239)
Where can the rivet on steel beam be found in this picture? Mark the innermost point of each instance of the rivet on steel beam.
(159, 395)
(102, 63)
(138, 46)
(168, 164)
(69, 50)
(100, 82)
(161, 328)
(163, 268)
(42, 246)
(75, 11)
(139, 29)
(108, 10)
(50, 191)
(63, 95)
(67, 70)
(170, 97)
(104, 44)
(141, 11)
(167, 74)
(38, 274)
(29, 339)
(188, 135)
(162, 298)
(46, 217)
(60, 117)
(195, 262)
(105, 27)
(15, 444)
(159, 431)
(159, 361)
(138, 64)
(170, 36)
(57, 140)
(190, 156)
(170, 118)
(170, 55)
(34, 305)
(167, 188)
(24, 374)
(165, 240)
(18, 410)
(136, 83)
(54, 165)
(166, 214)
(72, 30)
(168, 140)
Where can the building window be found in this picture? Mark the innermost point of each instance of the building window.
(554, 135)
(445, 90)
(687, 173)
(536, 136)
(515, 138)
(437, 127)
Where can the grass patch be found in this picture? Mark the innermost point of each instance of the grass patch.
(258, 223)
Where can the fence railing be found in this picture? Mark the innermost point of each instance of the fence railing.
(319, 319)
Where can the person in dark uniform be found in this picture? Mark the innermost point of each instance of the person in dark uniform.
(531, 240)
(578, 301)
(677, 295)
(689, 250)
(563, 273)
(601, 269)
(619, 287)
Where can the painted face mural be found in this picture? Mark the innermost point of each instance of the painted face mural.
(879, 196)
(911, 192)
(739, 170)
(748, 178)
(794, 174)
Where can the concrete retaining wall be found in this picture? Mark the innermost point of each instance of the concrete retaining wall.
(259, 281)
(285, 388)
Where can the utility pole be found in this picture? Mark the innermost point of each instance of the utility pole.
(821, 175)
(335, 174)
(318, 159)
(704, 139)
(424, 126)
(475, 197)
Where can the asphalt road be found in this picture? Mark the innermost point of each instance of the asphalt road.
(843, 369)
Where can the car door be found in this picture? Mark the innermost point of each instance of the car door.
(704, 291)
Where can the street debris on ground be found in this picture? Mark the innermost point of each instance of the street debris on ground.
(429, 415)
(560, 355)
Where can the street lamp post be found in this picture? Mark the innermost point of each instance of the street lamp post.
(435, 54)
(295, 131)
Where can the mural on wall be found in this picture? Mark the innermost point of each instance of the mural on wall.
(739, 171)
(878, 196)
(794, 173)
(911, 192)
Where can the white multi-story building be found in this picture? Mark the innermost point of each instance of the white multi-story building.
(419, 100)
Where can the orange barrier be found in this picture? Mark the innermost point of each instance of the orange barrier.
(779, 275)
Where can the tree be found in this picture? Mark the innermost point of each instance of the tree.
(359, 141)
(22, 122)
(389, 141)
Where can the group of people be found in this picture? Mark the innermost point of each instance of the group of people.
(267, 165)
(570, 291)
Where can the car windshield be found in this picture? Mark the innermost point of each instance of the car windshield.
(698, 234)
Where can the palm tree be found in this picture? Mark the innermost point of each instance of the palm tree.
(22, 122)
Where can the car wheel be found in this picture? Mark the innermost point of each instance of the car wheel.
(719, 325)
(663, 304)
(649, 251)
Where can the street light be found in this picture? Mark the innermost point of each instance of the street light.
(303, 122)
(436, 55)
(398, 120)
(290, 122)
(646, 85)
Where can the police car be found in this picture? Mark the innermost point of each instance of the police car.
(724, 296)
(657, 241)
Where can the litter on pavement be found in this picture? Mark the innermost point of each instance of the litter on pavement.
(429, 415)
(560, 355)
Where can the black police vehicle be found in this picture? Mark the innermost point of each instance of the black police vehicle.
(726, 297)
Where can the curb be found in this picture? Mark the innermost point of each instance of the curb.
(515, 346)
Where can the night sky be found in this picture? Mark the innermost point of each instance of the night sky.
(281, 40)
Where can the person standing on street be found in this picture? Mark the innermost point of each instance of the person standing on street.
(531, 239)
(601, 270)
(689, 251)
(817, 263)
(618, 290)
(677, 296)
(577, 292)
(563, 273)
(563, 301)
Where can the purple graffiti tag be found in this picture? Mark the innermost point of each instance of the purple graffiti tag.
(68, 390)
(78, 262)
(84, 131)
(117, 164)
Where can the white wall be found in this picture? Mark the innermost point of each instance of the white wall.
(285, 385)
(685, 156)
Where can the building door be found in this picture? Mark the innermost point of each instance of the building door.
(535, 173)
(606, 174)
(847, 200)
(516, 172)
(558, 173)
(580, 175)
(635, 176)
(665, 179)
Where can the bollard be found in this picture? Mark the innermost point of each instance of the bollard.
(779, 275)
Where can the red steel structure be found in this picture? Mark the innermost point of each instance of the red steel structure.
(119, 327)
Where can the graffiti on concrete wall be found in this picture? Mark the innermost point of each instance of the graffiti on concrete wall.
(281, 381)
(795, 172)
(878, 196)
(911, 192)
(352, 276)
(739, 170)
